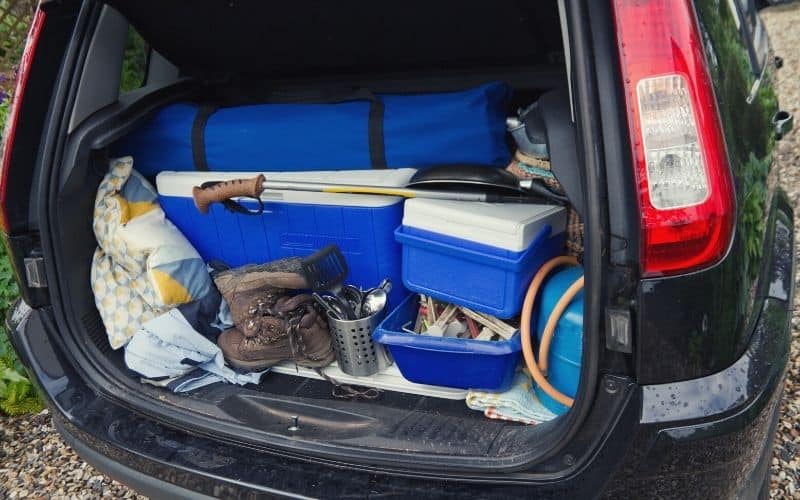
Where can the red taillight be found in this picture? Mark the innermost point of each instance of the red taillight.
(13, 114)
(685, 188)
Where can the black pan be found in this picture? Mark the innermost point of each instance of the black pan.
(480, 178)
(477, 177)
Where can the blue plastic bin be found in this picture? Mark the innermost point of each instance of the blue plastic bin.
(449, 362)
(564, 359)
(364, 235)
(484, 278)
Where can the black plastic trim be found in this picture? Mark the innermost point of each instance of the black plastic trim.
(147, 485)
(623, 207)
(589, 151)
(204, 112)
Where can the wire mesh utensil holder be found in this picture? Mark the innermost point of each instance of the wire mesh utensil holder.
(356, 352)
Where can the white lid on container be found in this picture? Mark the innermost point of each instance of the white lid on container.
(180, 184)
(511, 226)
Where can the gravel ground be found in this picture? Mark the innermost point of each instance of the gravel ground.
(35, 462)
(782, 23)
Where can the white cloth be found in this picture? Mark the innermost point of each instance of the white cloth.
(168, 352)
(517, 404)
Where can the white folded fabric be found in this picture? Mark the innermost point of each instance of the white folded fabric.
(517, 404)
(166, 351)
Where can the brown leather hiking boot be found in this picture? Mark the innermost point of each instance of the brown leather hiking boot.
(290, 328)
(251, 290)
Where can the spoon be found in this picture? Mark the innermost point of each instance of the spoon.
(386, 284)
(374, 302)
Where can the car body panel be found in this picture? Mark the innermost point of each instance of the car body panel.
(694, 325)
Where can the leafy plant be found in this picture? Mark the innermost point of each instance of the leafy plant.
(134, 62)
(16, 16)
(17, 394)
(4, 106)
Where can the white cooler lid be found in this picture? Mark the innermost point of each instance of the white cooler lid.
(511, 226)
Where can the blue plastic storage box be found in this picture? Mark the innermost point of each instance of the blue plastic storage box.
(449, 362)
(362, 226)
(484, 278)
(566, 347)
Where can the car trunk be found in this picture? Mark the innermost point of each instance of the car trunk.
(397, 47)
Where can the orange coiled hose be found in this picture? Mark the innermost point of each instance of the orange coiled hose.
(539, 370)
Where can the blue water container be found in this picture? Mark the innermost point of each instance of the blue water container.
(450, 362)
(566, 347)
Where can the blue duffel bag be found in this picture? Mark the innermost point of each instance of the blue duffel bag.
(358, 130)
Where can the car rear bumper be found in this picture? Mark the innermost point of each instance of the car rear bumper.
(707, 437)
(712, 437)
(711, 442)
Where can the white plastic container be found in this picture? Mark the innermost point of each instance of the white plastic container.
(510, 226)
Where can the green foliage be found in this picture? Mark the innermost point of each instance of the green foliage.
(134, 62)
(4, 107)
(17, 394)
(16, 16)
(17, 397)
(9, 290)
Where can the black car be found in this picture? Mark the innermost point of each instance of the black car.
(689, 246)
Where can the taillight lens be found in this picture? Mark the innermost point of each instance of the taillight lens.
(13, 115)
(686, 192)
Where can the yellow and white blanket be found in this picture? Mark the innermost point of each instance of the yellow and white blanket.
(143, 265)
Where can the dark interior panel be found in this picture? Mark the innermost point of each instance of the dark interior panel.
(310, 37)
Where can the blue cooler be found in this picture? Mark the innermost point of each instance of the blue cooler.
(296, 223)
(566, 347)
(478, 255)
